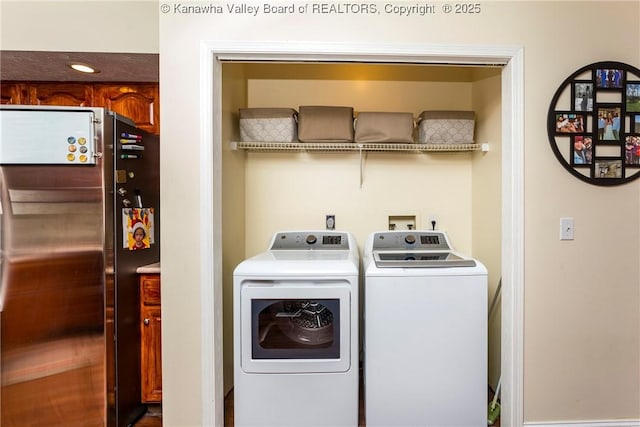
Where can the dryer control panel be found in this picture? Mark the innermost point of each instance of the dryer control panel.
(318, 240)
(414, 240)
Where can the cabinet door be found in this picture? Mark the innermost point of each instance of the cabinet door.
(13, 93)
(65, 94)
(151, 363)
(150, 339)
(139, 102)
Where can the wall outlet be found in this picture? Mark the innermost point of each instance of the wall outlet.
(330, 222)
(433, 222)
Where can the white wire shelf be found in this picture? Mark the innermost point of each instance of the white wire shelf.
(351, 146)
(355, 147)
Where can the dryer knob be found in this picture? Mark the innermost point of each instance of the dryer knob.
(410, 239)
(311, 239)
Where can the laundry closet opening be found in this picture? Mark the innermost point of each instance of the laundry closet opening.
(266, 191)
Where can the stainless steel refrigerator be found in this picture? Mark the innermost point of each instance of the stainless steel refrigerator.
(77, 187)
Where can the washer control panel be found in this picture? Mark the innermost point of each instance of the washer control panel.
(302, 240)
(415, 249)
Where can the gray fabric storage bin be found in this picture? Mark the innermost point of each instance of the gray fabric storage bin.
(268, 125)
(446, 127)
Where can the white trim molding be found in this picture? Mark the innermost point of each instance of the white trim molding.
(213, 53)
(588, 423)
(512, 334)
(210, 245)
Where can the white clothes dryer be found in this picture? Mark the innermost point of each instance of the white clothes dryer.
(425, 332)
(296, 332)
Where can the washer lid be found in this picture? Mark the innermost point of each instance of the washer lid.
(415, 259)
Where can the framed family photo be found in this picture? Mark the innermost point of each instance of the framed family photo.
(582, 150)
(608, 168)
(583, 96)
(633, 97)
(609, 123)
(609, 78)
(632, 150)
(570, 123)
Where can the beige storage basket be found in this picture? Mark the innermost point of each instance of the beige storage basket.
(325, 124)
(382, 127)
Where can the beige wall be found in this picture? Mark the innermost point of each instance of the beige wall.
(487, 201)
(296, 190)
(80, 26)
(582, 301)
(233, 203)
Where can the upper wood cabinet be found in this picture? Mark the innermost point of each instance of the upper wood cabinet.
(65, 94)
(140, 101)
(13, 93)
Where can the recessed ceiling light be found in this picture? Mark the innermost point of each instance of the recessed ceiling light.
(83, 68)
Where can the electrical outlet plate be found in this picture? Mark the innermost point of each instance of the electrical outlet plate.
(433, 222)
(330, 222)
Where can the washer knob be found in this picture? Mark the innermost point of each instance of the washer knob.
(311, 239)
(410, 239)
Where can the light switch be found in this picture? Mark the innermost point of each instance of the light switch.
(566, 228)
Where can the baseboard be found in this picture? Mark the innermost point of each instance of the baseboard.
(588, 423)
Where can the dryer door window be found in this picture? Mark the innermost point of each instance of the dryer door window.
(295, 329)
(295, 326)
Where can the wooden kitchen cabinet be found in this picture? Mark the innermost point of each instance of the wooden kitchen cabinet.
(139, 102)
(12, 94)
(150, 338)
(65, 94)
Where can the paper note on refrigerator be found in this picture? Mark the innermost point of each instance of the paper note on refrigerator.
(137, 228)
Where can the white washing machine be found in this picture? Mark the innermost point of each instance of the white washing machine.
(296, 332)
(425, 332)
